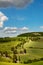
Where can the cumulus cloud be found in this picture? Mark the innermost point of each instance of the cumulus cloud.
(1, 24)
(15, 29)
(14, 3)
(2, 19)
(24, 28)
(10, 30)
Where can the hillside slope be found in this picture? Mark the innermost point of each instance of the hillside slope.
(31, 34)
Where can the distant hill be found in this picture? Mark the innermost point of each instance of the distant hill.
(31, 34)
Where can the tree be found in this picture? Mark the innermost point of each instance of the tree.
(41, 59)
(15, 51)
(14, 54)
(12, 48)
(19, 58)
(6, 53)
(21, 52)
(24, 50)
(14, 58)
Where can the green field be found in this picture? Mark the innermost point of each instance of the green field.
(36, 50)
(36, 63)
(33, 55)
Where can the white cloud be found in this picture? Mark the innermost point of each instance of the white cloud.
(41, 27)
(15, 29)
(12, 31)
(23, 29)
(2, 19)
(10, 28)
(1, 24)
(14, 3)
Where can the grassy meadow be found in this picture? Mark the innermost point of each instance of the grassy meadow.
(36, 63)
(21, 51)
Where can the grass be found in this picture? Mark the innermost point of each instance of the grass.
(5, 63)
(4, 59)
(35, 63)
(34, 44)
(34, 52)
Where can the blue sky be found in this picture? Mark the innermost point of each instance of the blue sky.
(30, 16)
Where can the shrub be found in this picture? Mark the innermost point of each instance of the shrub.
(1, 53)
(35, 60)
(41, 59)
(21, 52)
(6, 53)
(29, 61)
(12, 48)
(15, 51)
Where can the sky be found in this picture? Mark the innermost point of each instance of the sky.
(20, 16)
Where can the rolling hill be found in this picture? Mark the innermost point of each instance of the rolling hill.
(32, 42)
(31, 34)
